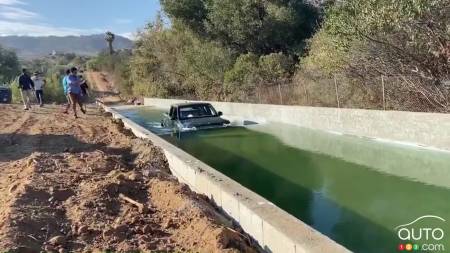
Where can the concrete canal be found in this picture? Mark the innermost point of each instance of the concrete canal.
(354, 190)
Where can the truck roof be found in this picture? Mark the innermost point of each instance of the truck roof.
(186, 104)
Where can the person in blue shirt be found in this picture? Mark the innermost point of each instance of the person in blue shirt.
(74, 91)
(64, 85)
(26, 86)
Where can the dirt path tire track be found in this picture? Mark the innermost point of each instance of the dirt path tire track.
(16, 123)
(103, 87)
(12, 178)
(99, 82)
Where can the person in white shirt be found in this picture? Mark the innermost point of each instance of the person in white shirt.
(39, 83)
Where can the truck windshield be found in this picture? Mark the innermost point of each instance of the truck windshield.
(197, 111)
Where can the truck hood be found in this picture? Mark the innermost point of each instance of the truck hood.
(204, 122)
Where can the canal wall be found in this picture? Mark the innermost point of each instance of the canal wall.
(426, 130)
(274, 229)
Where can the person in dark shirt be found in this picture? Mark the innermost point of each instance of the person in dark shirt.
(84, 86)
(84, 91)
(26, 86)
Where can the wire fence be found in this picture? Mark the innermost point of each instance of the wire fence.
(382, 93)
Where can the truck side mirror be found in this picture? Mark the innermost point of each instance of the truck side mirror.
(220, 114)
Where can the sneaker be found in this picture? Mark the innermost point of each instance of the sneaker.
(83, 111)
(26, 109)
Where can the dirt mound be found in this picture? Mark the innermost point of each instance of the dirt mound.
(98, 189)
(186, 213)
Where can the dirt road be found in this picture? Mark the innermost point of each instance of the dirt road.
(103, 87)
(87, 185)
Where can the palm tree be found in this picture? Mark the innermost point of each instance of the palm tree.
(109, 37)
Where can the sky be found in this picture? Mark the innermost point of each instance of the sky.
(75, 17)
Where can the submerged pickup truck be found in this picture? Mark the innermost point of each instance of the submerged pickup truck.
(193, 116)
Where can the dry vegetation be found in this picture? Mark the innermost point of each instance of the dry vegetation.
(376, 54)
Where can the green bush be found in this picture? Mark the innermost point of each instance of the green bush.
(175, 62)
(243, 78)
(16, 96)
(53, 90)
(251, 73)
(9, 66)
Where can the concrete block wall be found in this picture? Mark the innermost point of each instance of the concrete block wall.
(274, 229)
(430, 130)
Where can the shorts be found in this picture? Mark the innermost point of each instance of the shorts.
(84, 98)
(73, 96)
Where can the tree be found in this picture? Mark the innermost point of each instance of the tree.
(257, 26)
(221, 49)
(9, 65)
(109, 37)
(190, 12)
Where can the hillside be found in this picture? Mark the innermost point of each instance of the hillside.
(32, 47)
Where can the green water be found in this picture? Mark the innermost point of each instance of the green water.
(356, 205)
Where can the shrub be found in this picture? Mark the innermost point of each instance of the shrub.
(406, 42)
(9, 65)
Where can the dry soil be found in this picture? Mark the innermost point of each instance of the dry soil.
(88, 185)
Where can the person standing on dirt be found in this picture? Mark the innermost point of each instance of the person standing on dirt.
(74, 91)
(39, 83)
(65, 85)
(84, 91)
(26, 86)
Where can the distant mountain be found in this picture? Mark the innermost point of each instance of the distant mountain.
(32, 47)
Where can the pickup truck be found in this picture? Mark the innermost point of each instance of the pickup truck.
(5, 94)
(193, 116)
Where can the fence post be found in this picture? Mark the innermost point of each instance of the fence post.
(383, 90)
(337, 93)
(279, 92)
(306, 93)
(258, 92)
